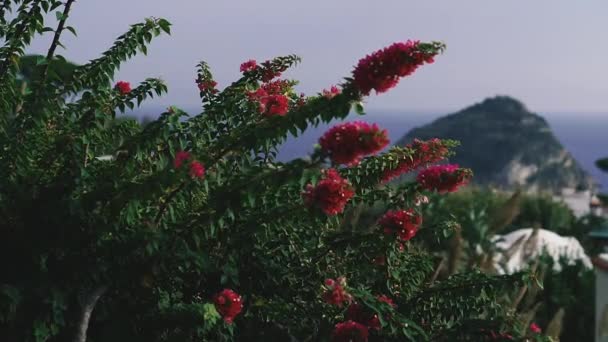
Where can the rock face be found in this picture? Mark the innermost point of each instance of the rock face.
(507, 146)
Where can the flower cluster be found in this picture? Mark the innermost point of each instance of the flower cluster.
(229, 304)
(402, 223)
(350, 331)
(360, 314)
(443, 178)
(271, 98)
(347, 143)
(269, 72)
(196, 168)
(207, 86)
(332, 92)
(335, 294)
(535, 328)
(123, 87)
(330, 194)
(382, 69)
(273, 105)
(422, 153)
(248, 66)
(276, 87)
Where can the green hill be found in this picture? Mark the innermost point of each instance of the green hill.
(507, 146)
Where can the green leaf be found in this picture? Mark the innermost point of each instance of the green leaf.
(71, 29)
(165, 25)
(41, 60)
(359, 108)
(602, 164)
(60, 16)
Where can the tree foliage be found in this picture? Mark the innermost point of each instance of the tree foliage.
(160, 233)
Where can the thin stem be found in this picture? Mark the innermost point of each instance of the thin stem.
(51, 53)
(165, 204)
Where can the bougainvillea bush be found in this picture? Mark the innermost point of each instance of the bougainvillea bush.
(188, 229)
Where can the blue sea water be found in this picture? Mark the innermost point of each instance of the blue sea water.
(585, 136)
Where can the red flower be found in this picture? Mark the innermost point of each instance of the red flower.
(335, 293)
(257, 95)
(205, 86)
(403, 223)
(535, 328)
(330, 194)
(443, 178)
(350, 331)
(422, 153)
(387, 300)
(274, 105)
(271, 99)
(360, 314)
(347, 143)
(332, 92)
(382, 69)
(180, 158)
(250, 65)
(278, 87)
(197, 170)
(123, 87)
(229, 304)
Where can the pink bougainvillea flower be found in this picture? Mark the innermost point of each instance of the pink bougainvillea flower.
(278, 87)
(271, 98)
(335, 294)
(330, 194)
(273, 105)
(332, 92)
(381, 70)
(180, 158)
(197, 170)
(422, 153)
(250, 65)
(443, 178)
(123, 87)
(348, 142)
(229, 304)
(207, 86)
(402, 223)
(350, 331)
(535, 328)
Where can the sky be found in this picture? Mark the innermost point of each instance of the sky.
(550, 54)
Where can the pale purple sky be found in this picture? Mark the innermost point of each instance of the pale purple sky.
(551, 54)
